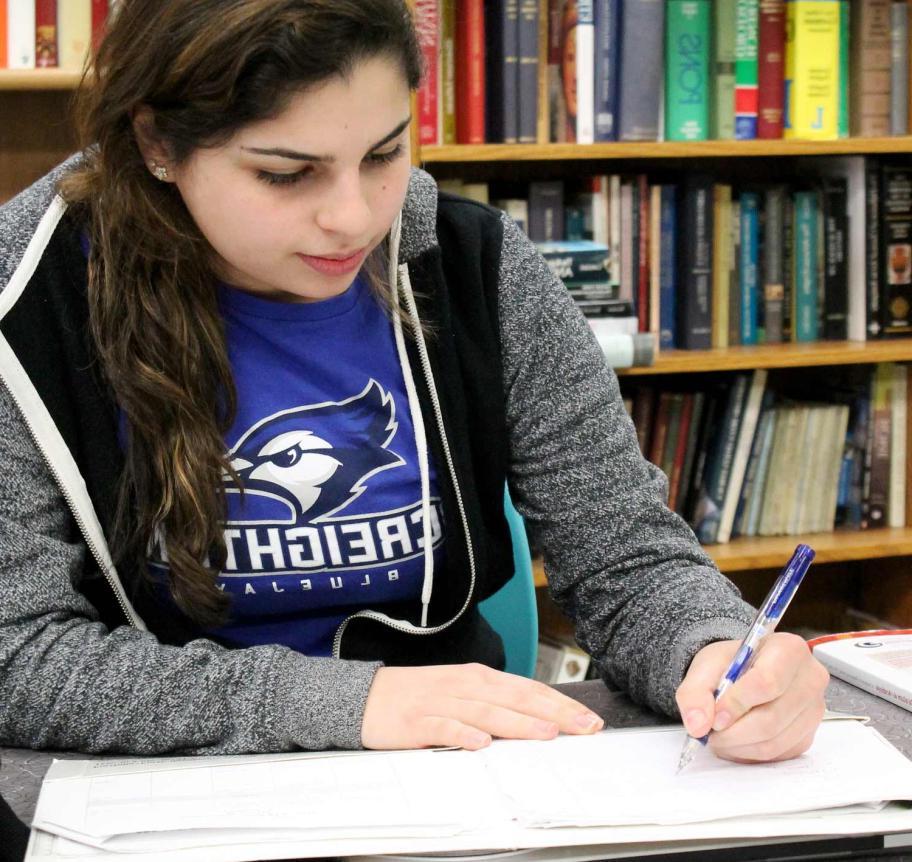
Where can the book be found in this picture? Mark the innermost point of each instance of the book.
(722, 120)
(45, 34)
(755, 479)
(546, 210)
(804, 295)
(734, 294)
(470, 72)
(669, 450)
(654, 261)
(812, 69)
(557, 105)
(641, 218)
(687, 53)
(501, 27)
(20, 29)
(682, 442)
(527, 73)
(899, 68)
(642, 44)
(668, 267)
(543, 130)
(695, 260)
(770, 68)
(567, 51)
(873, 250)
(746, 68)
(845, 43)
(896, 249)
(870, 65)
(722, 263)
(585, 73)
(896, 503)
(606, 67)
(878, 661)
(580, 261)
(74, 32)
(774, 263)
(427, 28)
(878, 493)
(834, 195)
(749, 266)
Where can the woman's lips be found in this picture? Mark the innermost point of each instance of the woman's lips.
(334, 265)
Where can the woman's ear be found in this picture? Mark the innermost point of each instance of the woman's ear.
(154, 152)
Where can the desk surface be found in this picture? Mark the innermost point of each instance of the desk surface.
(22, 770)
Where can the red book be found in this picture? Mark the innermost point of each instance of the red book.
(470, 72)
(45, 34)
(427, 26)
(4, 62)
(677, 465)
(660, 429)
(642, 273)
(771, 68)
(99, 19)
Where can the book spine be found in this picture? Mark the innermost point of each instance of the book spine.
(896, 249)
(668, 268)
(687, 47)
(770, 68)
(21, 34)
(501, 71)
(470, 72)
(660, 429)
(899, 422)
(546, 211)
(774, 264)
(642, 44)
(734, 291)
(568, 60)
(748, 266)
(899, 68)
(675, 408)
(557, 105)
(446, 93)
(804, 318)
(869, 89)
(881, 426)
(654, 273)
(528, 70)
(680, 451)
(695, 256)
(585, 73)
(627, 254)
(746, 95)
(722, 249)
(835, 271)
(722, 124)
(872, 248)
(812, 69)
(607, 72)
(642, 268)
(643, 408)
(100, 10)
(427, 29)
(614, 231)
(45, 34)
(845, 51)
(74, 33)
(4, 35)
(543, 131)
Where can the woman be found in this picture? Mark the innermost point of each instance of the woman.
(252, 493)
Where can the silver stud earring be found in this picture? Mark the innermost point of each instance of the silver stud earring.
(160, 172)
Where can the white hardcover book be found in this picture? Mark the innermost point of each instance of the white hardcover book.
(896, 509)
(749, 419)
(600, 210)
(74, 32)
(877, 661)
(585, 73)
(614, 230)
(21, 34)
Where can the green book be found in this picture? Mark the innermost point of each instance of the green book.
(747, 21)
(804, 296)
(723, 100)
(687, 46)
(842, 117)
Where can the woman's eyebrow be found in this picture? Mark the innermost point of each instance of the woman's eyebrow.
(307, 157)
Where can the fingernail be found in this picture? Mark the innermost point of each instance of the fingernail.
(722, 720)
(588, 721)
(548, 727)
(694, 720)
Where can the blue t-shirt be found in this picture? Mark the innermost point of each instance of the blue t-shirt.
(330, 521)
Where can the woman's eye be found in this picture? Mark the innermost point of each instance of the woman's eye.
(280, 179)
(387, 157)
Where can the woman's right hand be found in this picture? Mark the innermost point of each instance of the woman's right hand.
(465, 705)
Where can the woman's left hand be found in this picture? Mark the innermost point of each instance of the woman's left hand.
(771, 713)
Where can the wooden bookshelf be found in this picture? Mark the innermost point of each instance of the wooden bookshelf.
(645, 150)
(776, 356)
(771, 552)
(39, 79)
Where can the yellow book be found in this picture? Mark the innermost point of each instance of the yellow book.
(812, 69)
(722, 263)
(74, 32)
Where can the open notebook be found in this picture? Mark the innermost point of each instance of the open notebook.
(613, 788)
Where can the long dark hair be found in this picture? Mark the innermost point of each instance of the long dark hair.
(206, 68)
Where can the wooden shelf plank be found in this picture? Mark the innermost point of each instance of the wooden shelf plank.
(776, 356)
(641, 150)
(772, 552)
(39, 79)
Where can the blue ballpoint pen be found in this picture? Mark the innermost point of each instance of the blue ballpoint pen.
(764, 625)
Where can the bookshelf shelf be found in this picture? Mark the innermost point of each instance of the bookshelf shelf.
(776, 356)
(642, 150)
(771, 552)
(39, 79)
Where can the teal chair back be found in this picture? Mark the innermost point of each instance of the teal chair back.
(512, 611)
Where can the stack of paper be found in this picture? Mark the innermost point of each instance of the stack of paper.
(616, 787)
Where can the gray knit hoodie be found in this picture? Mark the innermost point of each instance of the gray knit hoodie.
(643, 594)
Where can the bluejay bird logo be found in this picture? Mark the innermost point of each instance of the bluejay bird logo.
(317, 458)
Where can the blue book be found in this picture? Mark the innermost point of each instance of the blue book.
(528, 71)
(607, 58)
(748, 265)
(754, 505)
(804, 294)
(753, 463)
(642, 69)
(695, 262)
(668, 263)
(502, 71)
